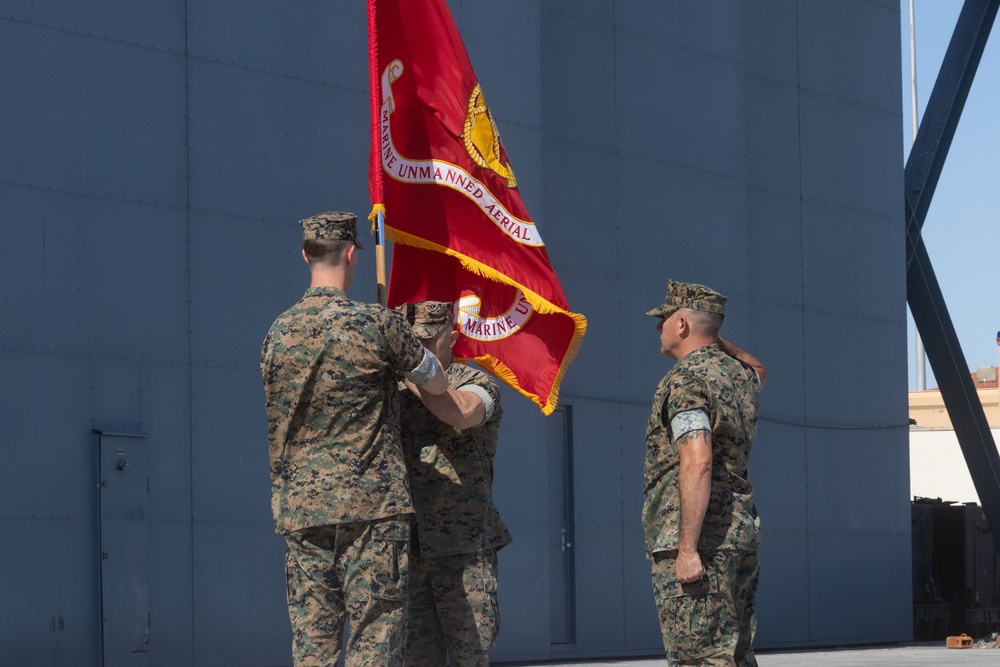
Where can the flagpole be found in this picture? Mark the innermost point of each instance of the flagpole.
(380, 257)
(377, 216)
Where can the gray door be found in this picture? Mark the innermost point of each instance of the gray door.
(124, 550)
(561, 536)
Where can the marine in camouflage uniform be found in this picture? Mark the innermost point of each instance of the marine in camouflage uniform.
(453, 577)
(700, 522)
(339, 490)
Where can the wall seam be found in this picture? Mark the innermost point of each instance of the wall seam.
(190, 348)
(802, 293)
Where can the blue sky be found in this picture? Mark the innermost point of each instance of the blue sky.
(962, 230)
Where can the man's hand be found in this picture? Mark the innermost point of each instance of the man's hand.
(689, 567)
(737, 352)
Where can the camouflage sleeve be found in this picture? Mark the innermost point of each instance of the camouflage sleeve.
(687, 392)
(404, 348)
(485, 387)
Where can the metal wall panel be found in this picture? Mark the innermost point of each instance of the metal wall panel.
(856, 32)
(779, 470)
(774, 250)
(310, 41)
(152, 24)
(714, 28)
(50, 471)
(231, 480)
(703, 131)
(770, 47)
(568, 211)
(690, 208)
(129, 127)
(579, 84)
(591, 11)
(642, 622)
(223, 282)
(871, 345)
(49, 611)
(772, 145)
(166, 413)
(251, 132)
(785, 396)
(87, 298)
(171, 601)
(839, 270)
(846, 151)
(785, 595)
(237, 595)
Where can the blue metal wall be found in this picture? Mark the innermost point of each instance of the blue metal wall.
(154, 160)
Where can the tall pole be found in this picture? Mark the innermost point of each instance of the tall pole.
(380, 257)
(921, 362)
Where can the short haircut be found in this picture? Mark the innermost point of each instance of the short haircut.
(705, 323)
(325, 251)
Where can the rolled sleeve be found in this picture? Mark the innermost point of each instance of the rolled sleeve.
(688, 421)
(488, 401)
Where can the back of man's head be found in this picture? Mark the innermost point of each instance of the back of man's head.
(704, 323)
(325, 251)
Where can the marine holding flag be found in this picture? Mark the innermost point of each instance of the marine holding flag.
(450, 442)
(441, 175)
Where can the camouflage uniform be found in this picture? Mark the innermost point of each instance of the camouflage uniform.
(339, 491)
(453, 576)
(710, 621)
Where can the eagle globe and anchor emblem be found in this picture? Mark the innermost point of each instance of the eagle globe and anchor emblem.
(482, 139)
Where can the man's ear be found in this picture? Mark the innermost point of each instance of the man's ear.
(351, 253)
(304, 258)
(683, 325)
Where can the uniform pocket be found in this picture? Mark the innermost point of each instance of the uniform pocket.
(391, 553)
(693, 618)
(487, 611)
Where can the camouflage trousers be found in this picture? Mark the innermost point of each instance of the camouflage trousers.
(356, 570)
(453, 610)
(711, 621)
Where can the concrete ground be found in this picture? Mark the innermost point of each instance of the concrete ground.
(910, 655)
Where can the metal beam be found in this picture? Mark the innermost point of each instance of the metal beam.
(930, 313)
(955, 381)
(944, 109)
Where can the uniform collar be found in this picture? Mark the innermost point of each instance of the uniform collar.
(326, 290)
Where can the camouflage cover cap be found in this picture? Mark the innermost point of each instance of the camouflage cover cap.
(690, 295)
(428, 318)
(331, 226)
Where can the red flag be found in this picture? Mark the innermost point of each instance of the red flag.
(451, 206)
